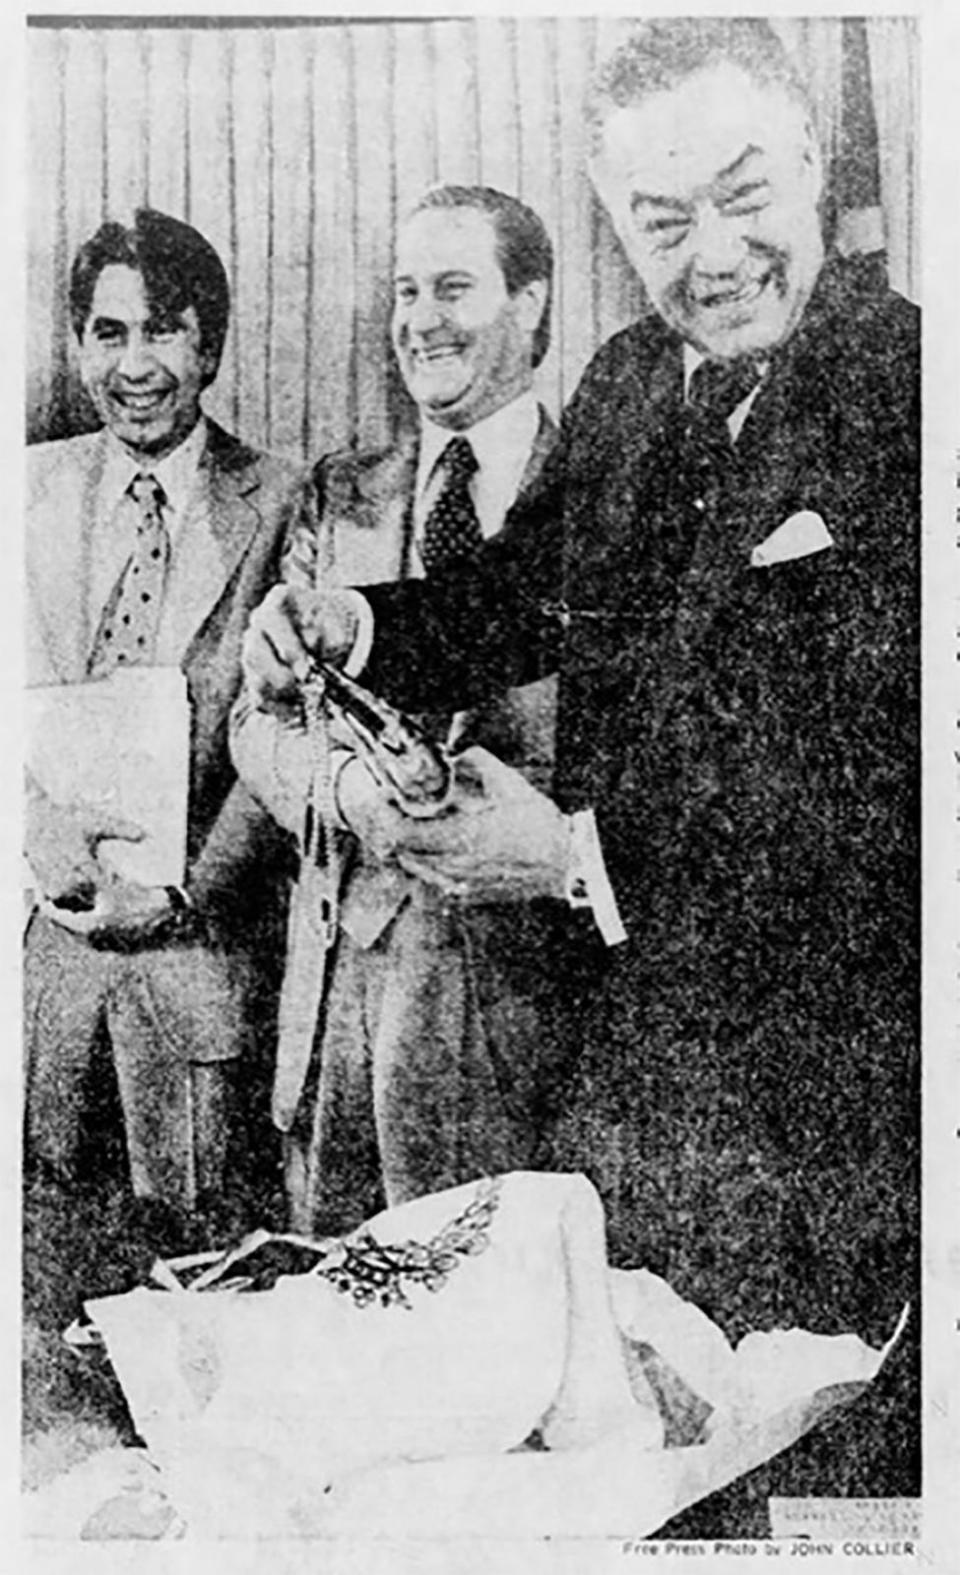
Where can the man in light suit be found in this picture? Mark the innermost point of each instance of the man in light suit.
(163, 511)
(434, 1063)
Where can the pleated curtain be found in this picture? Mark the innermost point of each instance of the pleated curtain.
(295, 148)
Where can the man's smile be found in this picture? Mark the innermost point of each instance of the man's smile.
(436, 355)
(742, 295)
(140, 402)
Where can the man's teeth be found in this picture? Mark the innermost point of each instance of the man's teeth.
(140, 401)
(745, 294)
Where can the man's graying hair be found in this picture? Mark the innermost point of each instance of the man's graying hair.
(660, 55)
(524, 249)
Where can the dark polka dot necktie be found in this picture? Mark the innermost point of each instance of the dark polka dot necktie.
(451, 532)
(128, 629)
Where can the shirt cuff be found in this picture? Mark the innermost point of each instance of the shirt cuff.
(363, 639)
(588, 885)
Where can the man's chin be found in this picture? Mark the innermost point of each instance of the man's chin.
(447, 407)
(723, 341)
(146, 440)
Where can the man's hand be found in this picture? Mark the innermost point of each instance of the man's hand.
(291, 624)
(365, 809)
(124, 915)
(500, 841)
(61, 846)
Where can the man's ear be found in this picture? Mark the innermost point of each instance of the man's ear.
(611, 195)
(813, 161)
(529, 303)
(210, 361)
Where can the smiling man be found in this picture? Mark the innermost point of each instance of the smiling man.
(433, 1064)
(147, 543)
(727, 536)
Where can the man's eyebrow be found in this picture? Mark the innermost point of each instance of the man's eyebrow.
(166, 315)
(113, 324)
(648, 199)
(674, 204)
(436, 278)
(735, 168)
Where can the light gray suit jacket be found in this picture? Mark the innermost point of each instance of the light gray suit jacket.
(364, 537)
(222, 567)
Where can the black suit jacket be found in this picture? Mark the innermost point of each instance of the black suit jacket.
(747, 736)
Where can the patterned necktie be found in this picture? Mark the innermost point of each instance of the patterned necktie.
(128, 629)
(451, 532)
(716, 389)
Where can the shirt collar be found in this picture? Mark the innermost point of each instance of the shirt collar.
(176, 472)
(692, 358)
(509, 430)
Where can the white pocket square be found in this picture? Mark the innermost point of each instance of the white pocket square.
(798, 537)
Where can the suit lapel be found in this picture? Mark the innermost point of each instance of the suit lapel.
(543, 442)
(62, 610)
(221, 524)
(370, 516)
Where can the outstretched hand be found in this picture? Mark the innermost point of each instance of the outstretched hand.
(291, 625)
(500, 840)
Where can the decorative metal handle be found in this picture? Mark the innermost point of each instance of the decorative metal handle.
(416, 772)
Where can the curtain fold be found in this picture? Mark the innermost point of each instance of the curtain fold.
(895, 78)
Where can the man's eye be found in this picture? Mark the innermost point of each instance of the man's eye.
(404, 294)
(747, 199)
(107, 336)
(737, 208)
(452, 289)
(162, 332)
(666, 232)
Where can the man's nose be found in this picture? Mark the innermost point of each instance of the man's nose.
(136, 358)
(425, 314)
(719, 244)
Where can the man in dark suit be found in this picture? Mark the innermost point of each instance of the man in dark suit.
(422, 1075)
(724, 552)
(147, 543)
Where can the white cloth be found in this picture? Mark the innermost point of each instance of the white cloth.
(302, 1410)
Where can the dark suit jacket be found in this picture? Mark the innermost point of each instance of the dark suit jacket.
(749, 740)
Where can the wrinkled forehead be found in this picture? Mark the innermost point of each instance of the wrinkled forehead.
(682, 139)
(446, 240)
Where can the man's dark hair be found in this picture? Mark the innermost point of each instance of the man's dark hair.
(659, 55)
(179, 268)
(524, 249)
